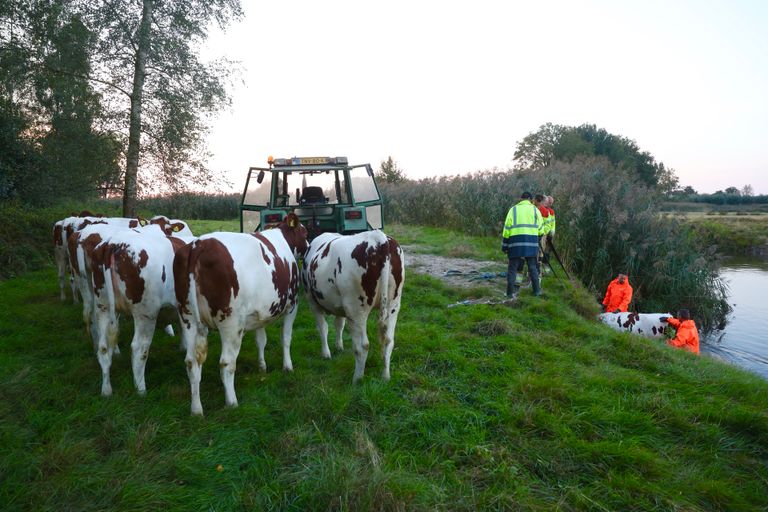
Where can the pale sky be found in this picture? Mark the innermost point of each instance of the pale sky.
(448, 87)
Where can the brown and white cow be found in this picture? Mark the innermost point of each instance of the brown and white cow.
(348, 276)
(237, 282)
(132, 274)
(644, 324)
(61, 229)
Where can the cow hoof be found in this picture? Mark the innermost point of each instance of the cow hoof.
(263, 369)
(288, 369)
(106, 391)
(340, 348)
(385, 376)
(197, 412)
(141, 392)
(232, 405)
(326, 355)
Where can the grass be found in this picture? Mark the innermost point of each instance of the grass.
(532, 407)
(733, 234)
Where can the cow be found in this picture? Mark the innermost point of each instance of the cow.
(644, 324)
(237, 282)
(85, 235)
(132, 274)
(349, 275)
(178, 227)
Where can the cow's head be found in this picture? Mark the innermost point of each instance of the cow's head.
(295, 234)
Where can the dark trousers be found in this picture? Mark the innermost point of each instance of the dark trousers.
(533, 271)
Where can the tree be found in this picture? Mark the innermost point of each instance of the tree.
(143, 63)
(390, 172)
(565, 143)
(733, 191)
(747, 191)
(689, 190)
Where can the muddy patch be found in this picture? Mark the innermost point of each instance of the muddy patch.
(460, 272)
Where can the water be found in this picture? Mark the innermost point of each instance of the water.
(744, 341)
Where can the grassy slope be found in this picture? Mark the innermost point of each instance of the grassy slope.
(531, 407)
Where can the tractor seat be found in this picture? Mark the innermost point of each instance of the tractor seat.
(313, 195)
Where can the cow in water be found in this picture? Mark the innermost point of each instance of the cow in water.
(348, 276)
(644, 324)
(237, 282)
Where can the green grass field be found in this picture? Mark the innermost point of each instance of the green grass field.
(531, 407)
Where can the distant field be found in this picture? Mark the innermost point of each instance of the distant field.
(715, 208)
(530, 407)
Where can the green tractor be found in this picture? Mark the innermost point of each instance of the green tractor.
(327, 194)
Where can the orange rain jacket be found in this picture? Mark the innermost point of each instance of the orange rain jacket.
(687, 336)
(618, 296)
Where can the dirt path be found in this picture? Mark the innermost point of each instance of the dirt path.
(460, 272)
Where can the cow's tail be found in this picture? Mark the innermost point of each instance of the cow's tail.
(386, 274)
(110, 284)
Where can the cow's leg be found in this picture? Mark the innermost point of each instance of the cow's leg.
(357, 328)
(261, 342)
(322, 329)
(231, 339)
(195, 339)
(143, 328)
(73, 286)
(61, 266)
(286, 338)
(387, 339)
(339, 322)
(106, 341)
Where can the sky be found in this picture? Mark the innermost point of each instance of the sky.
(449, 87)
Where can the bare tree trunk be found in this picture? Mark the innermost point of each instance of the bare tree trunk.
(134, 133)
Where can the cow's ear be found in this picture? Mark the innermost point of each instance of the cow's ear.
(177, 226)
(291, 220)
(142, 221)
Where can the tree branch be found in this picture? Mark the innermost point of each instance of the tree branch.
(90, 78)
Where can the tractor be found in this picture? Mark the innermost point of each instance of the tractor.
(327, 194)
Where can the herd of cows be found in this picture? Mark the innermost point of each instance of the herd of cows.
(157, 270)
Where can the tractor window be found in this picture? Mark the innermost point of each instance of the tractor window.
(258, 193)
(363, 187)
(313, 188)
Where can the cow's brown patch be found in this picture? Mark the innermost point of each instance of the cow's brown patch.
(266, 257)
(57, 235)
(176, 243)
(654, 330)
(214, 271)
(632, 318)
(129, 270)
(72, 250)
(396, 263)
(295, 236)
(181, 281)
(133, 223)
(326, 250)
(372, 259)
(89, 222)
(89, 247)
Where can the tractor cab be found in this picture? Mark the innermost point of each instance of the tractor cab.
(327, 194)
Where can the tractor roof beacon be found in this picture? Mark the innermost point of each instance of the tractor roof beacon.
(327, 194)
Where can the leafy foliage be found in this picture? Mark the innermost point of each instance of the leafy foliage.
(95, 94)
(390, 172)
(565, 143)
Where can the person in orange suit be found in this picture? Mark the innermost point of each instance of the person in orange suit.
(687, 336)
(618, 296)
